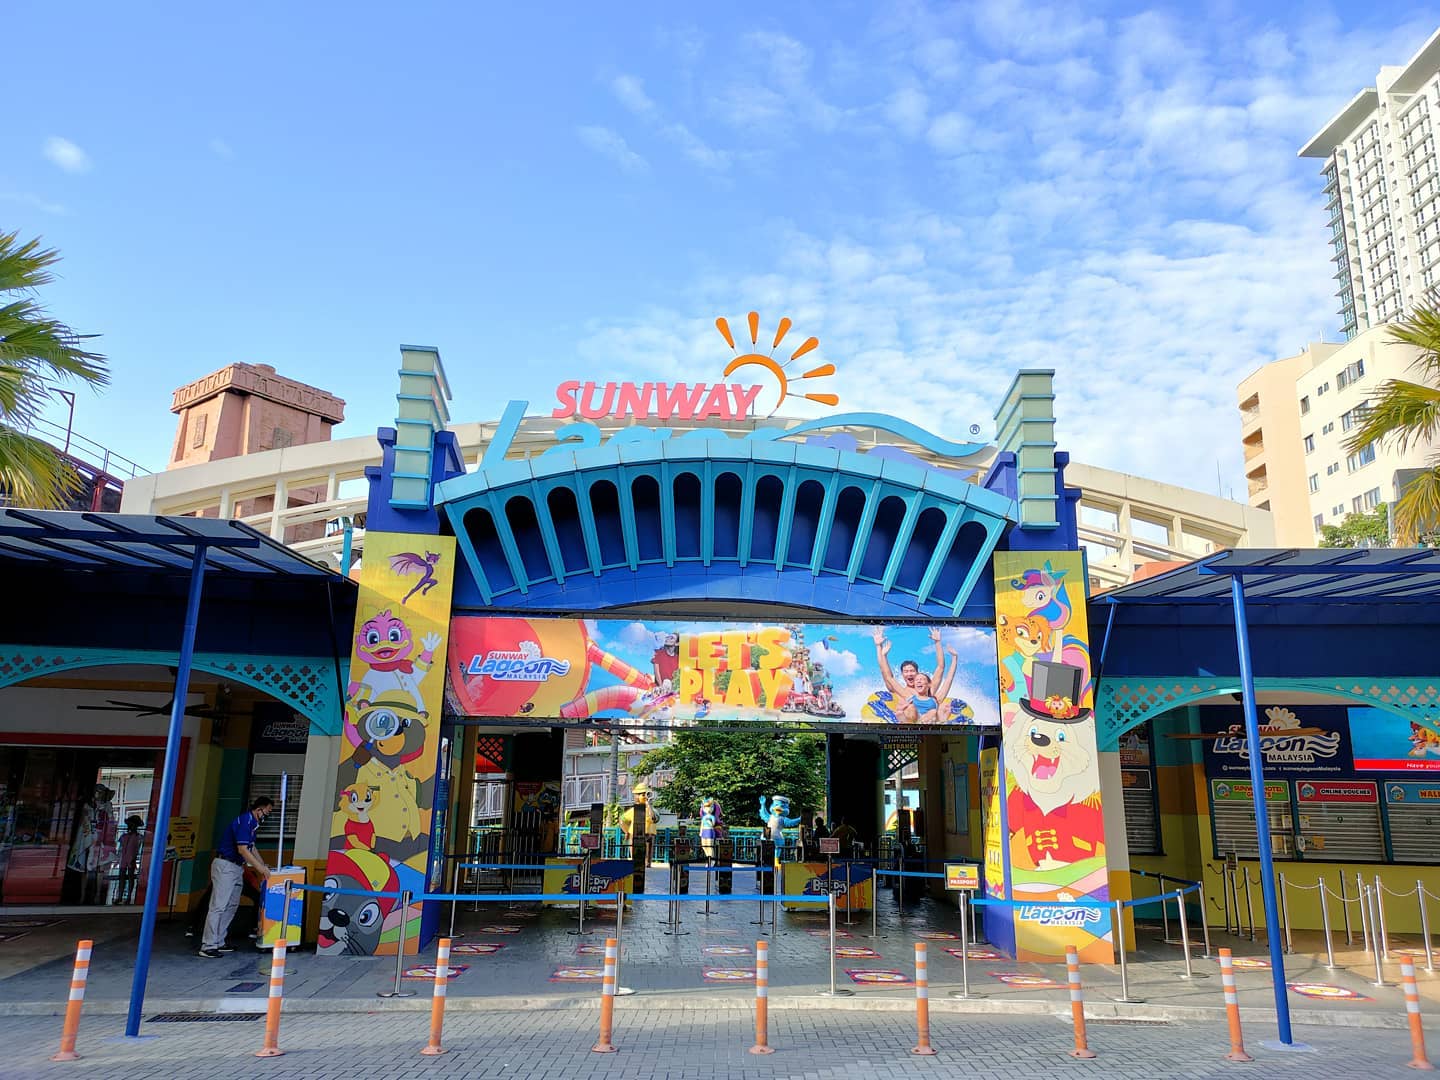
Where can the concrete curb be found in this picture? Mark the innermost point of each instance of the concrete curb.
(1095, 1010)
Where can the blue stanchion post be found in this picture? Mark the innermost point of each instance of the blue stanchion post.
(160, 827)
(1262, 819)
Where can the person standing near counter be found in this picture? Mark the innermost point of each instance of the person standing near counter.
(233, 853)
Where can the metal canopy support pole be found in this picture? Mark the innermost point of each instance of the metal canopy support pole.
(160, 827)
(1262, 819)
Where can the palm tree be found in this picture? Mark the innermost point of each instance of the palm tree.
(36, 352)
(1409, 414)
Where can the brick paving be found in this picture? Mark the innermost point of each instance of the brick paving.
(679, 1045)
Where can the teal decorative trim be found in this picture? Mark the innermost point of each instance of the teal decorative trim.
(1121, 704)
(305, 683)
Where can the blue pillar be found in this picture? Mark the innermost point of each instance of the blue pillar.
(1262, 819)
(160, 827)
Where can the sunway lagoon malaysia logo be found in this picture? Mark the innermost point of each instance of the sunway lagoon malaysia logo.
(1054, 915)
(525, 664)
(705, 401)
(1283, 741)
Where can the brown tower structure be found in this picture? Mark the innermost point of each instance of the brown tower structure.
(246, 408)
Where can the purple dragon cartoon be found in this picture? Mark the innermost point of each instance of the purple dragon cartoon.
(407, 563)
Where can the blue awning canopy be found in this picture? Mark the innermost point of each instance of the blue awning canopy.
(67, 540)
(1294, 576)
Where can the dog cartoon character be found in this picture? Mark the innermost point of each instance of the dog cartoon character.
(352, 817)
(396, 739)
(1028, 636)
(352, 925)
(1424, 741)
(1045, 595)
(1054, 810)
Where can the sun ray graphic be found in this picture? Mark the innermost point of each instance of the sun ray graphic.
(775, 367)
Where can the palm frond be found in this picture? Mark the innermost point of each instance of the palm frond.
(1407, 412)
(33, 473)
(1421, 330)
(1417, 512)
(24, 266)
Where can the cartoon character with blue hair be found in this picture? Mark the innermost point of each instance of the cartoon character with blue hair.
(711, 822)
(776, 816)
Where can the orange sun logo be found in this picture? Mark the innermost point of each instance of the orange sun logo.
(755, 358)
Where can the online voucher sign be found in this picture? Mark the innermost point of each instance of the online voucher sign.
(668, 672)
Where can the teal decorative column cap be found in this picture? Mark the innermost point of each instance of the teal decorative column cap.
(422, 411)
(1025, 426)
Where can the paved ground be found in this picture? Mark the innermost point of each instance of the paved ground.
(682, 1045)
(694, 993)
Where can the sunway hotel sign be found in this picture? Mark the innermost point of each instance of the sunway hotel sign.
(699, 401)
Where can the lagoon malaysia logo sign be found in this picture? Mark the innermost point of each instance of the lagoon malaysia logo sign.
(524, 664)
(1283, 741)
(699, 401)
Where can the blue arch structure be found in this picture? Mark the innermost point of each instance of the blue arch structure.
(696, 518)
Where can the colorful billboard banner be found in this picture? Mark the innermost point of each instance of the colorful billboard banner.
(849, 881)
(1056, 829)
(658, 673)
(1388, 742)
(385, 782)
(1296, 741)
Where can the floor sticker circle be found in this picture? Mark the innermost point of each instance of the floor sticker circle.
(826, 933)
(725, 950)
(856, 952)
(576, 974)
(1327, 992)
(1024, 978)
(976, 953)
(729, 975)
(1250, 963)
(498, 930)
(591, 949)
(428, 971)
(879, 977)
(938, 935)
(476, 948)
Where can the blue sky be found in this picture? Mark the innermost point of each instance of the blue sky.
(941, 194)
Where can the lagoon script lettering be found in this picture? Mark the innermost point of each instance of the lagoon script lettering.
(663, 401)
(1283, 749)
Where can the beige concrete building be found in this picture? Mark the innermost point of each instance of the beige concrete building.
(1382, 189)
(1296, 415)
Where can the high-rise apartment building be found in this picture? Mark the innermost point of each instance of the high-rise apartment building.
(1382, 189)
(1296, 415)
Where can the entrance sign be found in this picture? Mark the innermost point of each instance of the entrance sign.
(1052, 765)
(661, 673)
(962, 877)
(661, 401)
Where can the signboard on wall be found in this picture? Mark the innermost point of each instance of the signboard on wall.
(657, 673)
(1137, 786)
(1387, 742)
(1232, 815)
(1339, 819)
(1414, 813)
(1296, 740)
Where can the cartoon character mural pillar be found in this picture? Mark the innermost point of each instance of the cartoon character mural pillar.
(1055, 831)
(385, 783)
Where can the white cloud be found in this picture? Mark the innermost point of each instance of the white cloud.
(636, 635)
(24, 198)
(906, 109)
(838, 662)
(66, 155)
(631, 93)
(612, 145)
(220, 148)
(948, 133)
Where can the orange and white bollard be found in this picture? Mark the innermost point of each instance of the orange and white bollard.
(1412, 1014)
(607, 1000)
(922, 1002)
(1077, 1003)
(272, 1012)
(72, 1007)
(762, 1000)
(437, 1000)
(1232, 1008)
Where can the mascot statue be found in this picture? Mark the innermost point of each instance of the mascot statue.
(776, 815)
(711, 822)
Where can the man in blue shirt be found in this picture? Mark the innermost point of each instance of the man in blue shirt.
(227, 875)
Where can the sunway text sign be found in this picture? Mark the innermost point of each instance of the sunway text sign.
(661, 401)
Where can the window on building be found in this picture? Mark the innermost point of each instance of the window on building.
(1328, 428)
(1352, 373)
(1362, 457)
(1370, 499)
(1332, 468)
(1314, 482)
(1322, 388)
(1355, 416)
(1319, 520)
(198, 438)
(1337, 510)
(1355, 505)
(1305, 405)
(1309, 444)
